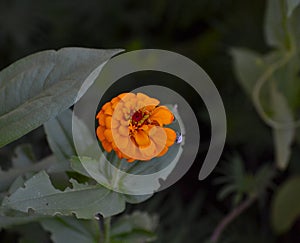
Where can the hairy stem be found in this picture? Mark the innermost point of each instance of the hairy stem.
(99, 218)
(230, 217)
(107, 224)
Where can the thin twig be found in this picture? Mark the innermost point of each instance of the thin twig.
(230, 217)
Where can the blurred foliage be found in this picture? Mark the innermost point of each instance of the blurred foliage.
(253, 43)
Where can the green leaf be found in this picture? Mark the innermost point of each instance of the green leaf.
(248, 67)
(263, 179)
(283, 137)
(239, 182)
(276, 24)
(23, 164)
(294, 22)
(85, 201)
(234, 178)
(68, 229)
(291, 5)
(286, 205)
(23, 156)
(40, 86)
(9, 221)
(59, 136)
(134, 228)
(282, 24)
(31, 233)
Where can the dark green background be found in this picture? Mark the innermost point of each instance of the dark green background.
(204, 31)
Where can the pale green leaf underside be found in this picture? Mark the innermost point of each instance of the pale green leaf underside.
(40, 86)
(248, 67)
(291, 5)
(286, 205)
(282, 23)
(283, 137)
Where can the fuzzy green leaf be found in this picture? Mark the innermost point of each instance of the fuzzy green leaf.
(40, 86)
(59, 135)
(9, 221)
(134, 228)
(286, 205)
(85, 201)
(23, 164)
(104, 175)
(68, 229)
(23, 156)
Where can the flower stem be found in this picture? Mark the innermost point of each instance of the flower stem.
(230, 217)
(107, 224)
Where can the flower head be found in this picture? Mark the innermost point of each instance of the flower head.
(133, 126)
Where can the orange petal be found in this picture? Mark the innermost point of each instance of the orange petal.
(146, 128)
(107, 146)
(151, 102)
(108, 110)
(101, 118)
(142, 96)
(114, 105)
(150, 108)
(149, 152)
(118, 114)
(108, 135)
(124, 122)
(163, 152)
(108, 121)
(162, 115)
(121, 96)
(114, 146)
(127, 97)
(98, 115)
(123, 130)
(115, 100)
(139, 105)
(111, 123)
(100, 133)
(130, 160)
(131, 150)
(171, 136)
(146, 99)
(115, 123)
(122, 141)
(141, 138)
(105, 106)
(119, 154)
(158, 136)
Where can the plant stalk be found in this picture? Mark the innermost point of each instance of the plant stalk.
(231, 217)
(107, 225)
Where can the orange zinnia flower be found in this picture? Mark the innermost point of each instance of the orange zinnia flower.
(133, 126)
